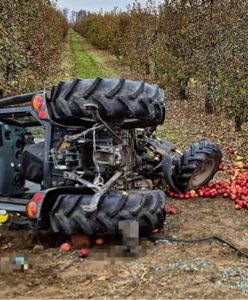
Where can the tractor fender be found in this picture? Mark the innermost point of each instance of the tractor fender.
(43, 201)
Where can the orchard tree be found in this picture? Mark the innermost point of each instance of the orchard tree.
(31, 37)
(232, 76)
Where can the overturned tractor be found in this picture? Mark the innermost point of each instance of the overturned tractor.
(96, 162)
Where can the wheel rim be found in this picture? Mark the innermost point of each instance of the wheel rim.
(202, 173)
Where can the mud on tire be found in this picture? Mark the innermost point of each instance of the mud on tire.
(197, 166)
(146, 207)
(128, 103)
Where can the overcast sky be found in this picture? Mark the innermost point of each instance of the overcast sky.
(95, 5)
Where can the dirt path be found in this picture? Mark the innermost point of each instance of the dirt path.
(165, 270)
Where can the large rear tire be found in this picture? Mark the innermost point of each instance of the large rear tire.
(197, 166)
(126, 103)
(147, 207)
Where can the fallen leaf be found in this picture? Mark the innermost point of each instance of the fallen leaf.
(102, 278)
(87, 282)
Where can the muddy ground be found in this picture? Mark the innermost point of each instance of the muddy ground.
(165, 271)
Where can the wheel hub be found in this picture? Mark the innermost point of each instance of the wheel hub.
(202, 173)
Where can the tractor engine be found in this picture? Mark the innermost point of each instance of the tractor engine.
(95, 152)
(96, 156)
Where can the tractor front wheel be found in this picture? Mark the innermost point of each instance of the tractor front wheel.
(197, 166)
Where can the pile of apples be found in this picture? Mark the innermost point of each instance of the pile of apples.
(233, 187)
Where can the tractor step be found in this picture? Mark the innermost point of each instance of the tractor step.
(13, 204)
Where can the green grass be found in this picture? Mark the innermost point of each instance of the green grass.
(87, 63)
(175, 137)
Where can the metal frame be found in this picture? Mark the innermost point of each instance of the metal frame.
(20, 99)
(9, 115)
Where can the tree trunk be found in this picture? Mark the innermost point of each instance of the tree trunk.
(209, 99)
(238, 124)
(147, 69)
(183, 94)
(183, 88)
(208, 106)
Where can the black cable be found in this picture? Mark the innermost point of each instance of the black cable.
(203, 240)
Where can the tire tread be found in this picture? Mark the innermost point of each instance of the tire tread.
(131, 103)
(147, 207)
